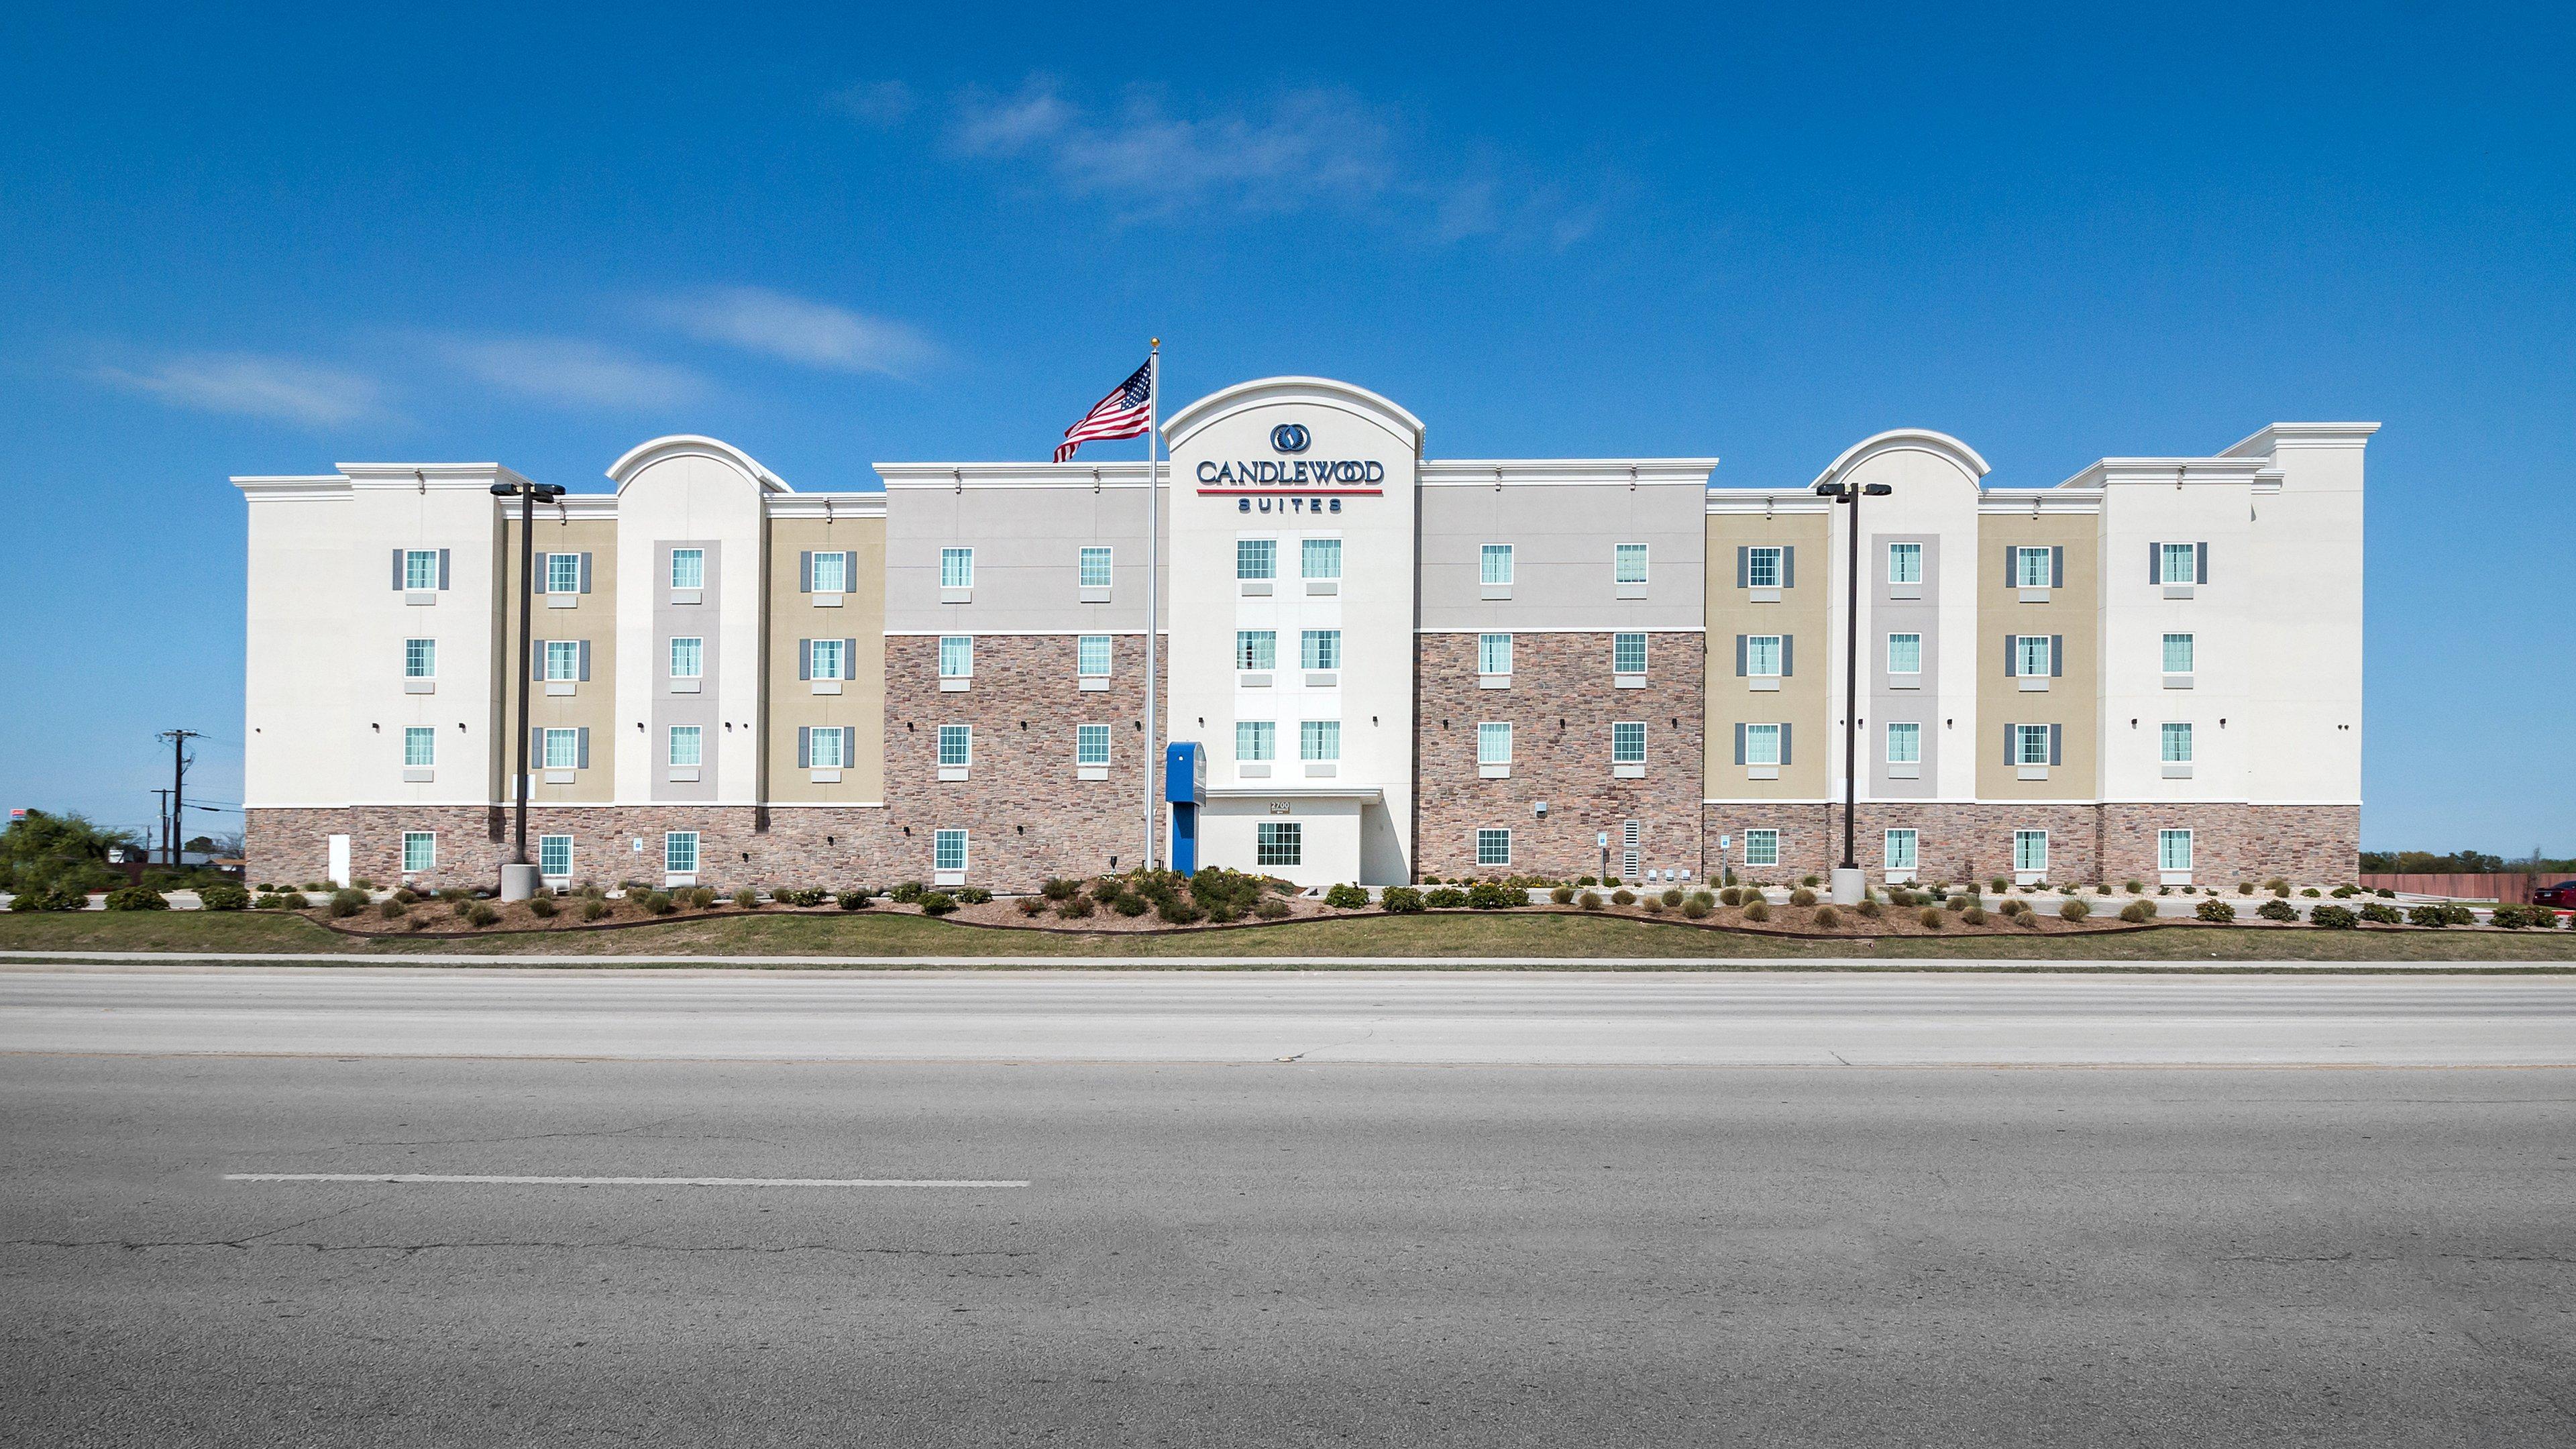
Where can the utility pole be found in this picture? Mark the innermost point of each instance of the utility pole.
(179, 763)
(163, 796)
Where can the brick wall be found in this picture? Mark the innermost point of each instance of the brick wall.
(2086, 843)
(1561, 706)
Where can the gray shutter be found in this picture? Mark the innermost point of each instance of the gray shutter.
(805, 658)
(442, 568)
(582, 759)
(1739, 659)
(536, 749)
(1788, 566)
(585, 573)
(584, 669)
(2010, 758)
(2056, 743)
(542, 574)
(2155, 564)
(804, 747)
(536, 659)
(1784, 743)
(849, 746)
(805, 572)
(1788, 655)
(850, 658)
(398, 569)
(1743, 568)
(2201, 574)
(2012, 566)
(1739, 744)
(2057, 656)
(2056, 566)
(2012, 655)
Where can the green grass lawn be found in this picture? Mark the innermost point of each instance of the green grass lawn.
(1570, 938)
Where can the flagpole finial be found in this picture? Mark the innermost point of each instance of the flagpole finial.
(1156, 341)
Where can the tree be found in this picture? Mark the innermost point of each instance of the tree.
(60, 852)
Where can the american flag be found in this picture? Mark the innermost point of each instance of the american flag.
(1125, 413)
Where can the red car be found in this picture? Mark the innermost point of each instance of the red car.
(2561, 895)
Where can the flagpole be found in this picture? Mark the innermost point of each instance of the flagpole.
(1153, 585)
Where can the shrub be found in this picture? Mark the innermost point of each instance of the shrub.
(940, 903)
(316, 887)
(1270, 908)
(1827, 917)
(1808, 880)
(1673, 896)
(481, 914)
(595, 908)
(2381, 913)
(136, 898)
(1563, 895)
(852, 900)
(2215, 911)
(2074, 910)
(1130, 906)
(1868, 908)
(2277, 910)
(2344, 892)
(1802, 897)
(1623, 897)
(1695, 906)
(2133, 887)
(541, 907)
(1932, 918)
(659, 903)
(1960, 903)
(2191, 890)
(2309, 891)
(1731, 896)
(1589, 900)
(1346, 897)
(2137, 913)
(1999, 885)
(2013, 907)
(1760, 910)
(406, 895)
(1057, 888)
(1974, 915)
(2279, 890)
(1899, 896)
(968, 896)
(224, 896)
(2511, 918)
(2034, 888)
(907, 894)
(2164, 890)
(1401, 900)
(2103, 889)
(1180, 911)
(801, 896)
(1652, 905)
(1484, 895)
(2028, 920)
(2245, 887)
(1445, 898)
(1075, 907)
(2334, 918)
(393, 910)
(343, 903)
(703, 897)
(362, 883)
(2386, 894)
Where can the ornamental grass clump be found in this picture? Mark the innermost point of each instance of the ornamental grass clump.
(1589, 900)
(2074, 910)
(1932, 918)
(541, 907)
(481, 914)
(1802, 897)
(2137, 913)
(1827, 917)
(393, 910)
(1696, 905)
(1272, 908)
(1759, 910)
(595, 908)
(1973, 916)
(1623, 897)
(1563, 895)
(1868, 908)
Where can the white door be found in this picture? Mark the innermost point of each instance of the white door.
(339, 860)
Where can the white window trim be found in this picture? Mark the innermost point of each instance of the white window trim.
(1485, 833)
(1769, 837)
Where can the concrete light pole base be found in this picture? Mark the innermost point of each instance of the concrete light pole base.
(1848, 886)
(519, 882)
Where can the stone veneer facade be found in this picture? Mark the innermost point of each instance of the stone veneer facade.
(2086, 843)
(1561, 705)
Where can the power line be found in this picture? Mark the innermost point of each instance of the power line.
(180, 760)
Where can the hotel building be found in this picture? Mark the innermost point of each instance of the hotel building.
(1394, 665)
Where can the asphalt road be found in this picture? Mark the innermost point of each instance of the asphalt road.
(1258, 1252)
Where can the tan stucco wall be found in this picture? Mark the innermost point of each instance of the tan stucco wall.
(1804, 611)
(2073, 611)
(793, 618)
(593, 705)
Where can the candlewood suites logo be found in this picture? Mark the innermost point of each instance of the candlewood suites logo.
(1254, 475)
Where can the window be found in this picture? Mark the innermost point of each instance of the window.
(563, 573)
(1493, 847)
(1905, 563)
(688, 745)
(554, 856)
(956, 744)
(1497, 563)
(823, 749)
(1319, 649)
(1493, 654)
(2030, 568)
(1628, 742)
(420, 659)
(420, 747)
(420, 569)
(2032, 655)
(2173, 850)
(823, 659)
(1632, 563)
(562, 749)
(1762, 654)
(1282, 843)
(956, 656)
(1091, 744)
(1095, 568)
(1256, 558)
(2177, 743)
(1762, 847)
(2030, 744)
(1320, 558)
(688, 568)
(1255, 739)
(1905, 654)
(680, 852)
(957, 568)
(1494, 743)
(1091, 656)
(831, 573)
(948, 850)
(1319, 739)
(1900, 850)
(1256, 649)
(1627, 653)
(2181, 563)
(688, 658)
(2178, 654)
(1762, 568)
(420, 851)
(563, 659)
(2030, 850)
(1905, 744)
(1761, 744)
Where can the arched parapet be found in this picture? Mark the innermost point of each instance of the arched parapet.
(1922, 441)
(687, 445)
(1243, 397)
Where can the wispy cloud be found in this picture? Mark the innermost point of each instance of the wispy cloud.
(574, 371)
(251, 385)
(800, 330)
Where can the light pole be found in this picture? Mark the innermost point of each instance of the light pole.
(1848, 887)
(518, 878)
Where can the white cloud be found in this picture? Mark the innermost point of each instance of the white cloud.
(799, 329)
(252, 386)
(879, 103)
(574, 371)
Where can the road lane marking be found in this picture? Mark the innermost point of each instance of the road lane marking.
(514, 1181)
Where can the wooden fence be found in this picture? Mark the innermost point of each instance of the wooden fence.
(2504, 890)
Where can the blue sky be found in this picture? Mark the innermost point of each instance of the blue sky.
(236, 240)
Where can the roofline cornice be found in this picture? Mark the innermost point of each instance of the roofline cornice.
(1456, 472)
(1265, 391)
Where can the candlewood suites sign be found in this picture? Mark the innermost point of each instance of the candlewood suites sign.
(1260, 475)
